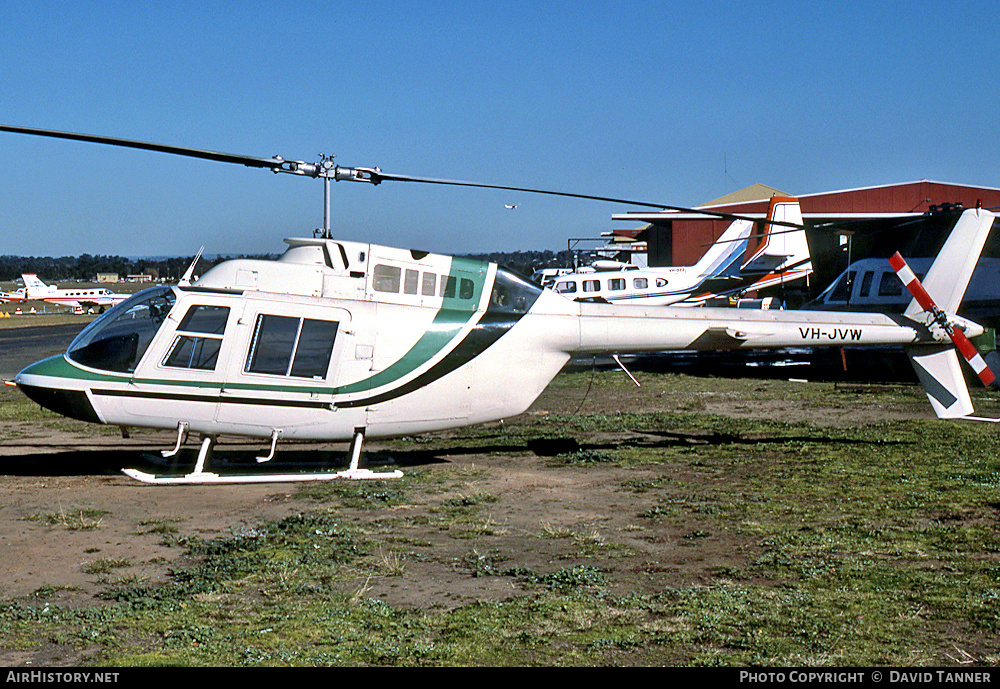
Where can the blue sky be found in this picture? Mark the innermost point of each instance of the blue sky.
(671, 102)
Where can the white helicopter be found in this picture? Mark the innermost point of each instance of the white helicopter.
(723, 270)
(339, 341)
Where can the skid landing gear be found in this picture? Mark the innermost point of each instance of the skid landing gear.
(201, 477)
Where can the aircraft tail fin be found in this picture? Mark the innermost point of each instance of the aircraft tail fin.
(33, 285)
(783, 248)
(723, 258)
(949, 275)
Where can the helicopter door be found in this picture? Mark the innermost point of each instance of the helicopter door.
(180, 378)
(284, 361)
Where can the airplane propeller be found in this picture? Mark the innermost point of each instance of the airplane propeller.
(962, 343)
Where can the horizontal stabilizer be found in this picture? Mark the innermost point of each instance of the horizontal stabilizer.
(940, 372)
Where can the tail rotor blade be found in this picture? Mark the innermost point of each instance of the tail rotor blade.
(962, 343)
(972, 355)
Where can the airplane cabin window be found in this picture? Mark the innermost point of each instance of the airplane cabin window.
(289, 346)
(890, 285)
(866, 283)
(511, 294)
(842, 291)
(466, 288)
(448, 287)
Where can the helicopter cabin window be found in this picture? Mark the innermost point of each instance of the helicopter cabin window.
(410, 281)
(386, 278)
(466, 288)
(591, 285)
(640, 283)
(428, 287)
(566, 287)
(616, 284)
(290, 346)
(117, 340)
(199, 338)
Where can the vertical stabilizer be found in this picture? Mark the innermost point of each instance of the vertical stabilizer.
(723, 258)
(34, 287)
(784, 247)
(949, 275)
(938, 297)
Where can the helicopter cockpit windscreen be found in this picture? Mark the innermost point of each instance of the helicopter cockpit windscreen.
(117, 340)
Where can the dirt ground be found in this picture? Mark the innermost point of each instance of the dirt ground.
(61, 477)
(64, 503)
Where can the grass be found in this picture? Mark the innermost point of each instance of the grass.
(861, 545)
(76, 519)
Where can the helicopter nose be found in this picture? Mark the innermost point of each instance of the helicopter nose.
(71, 403)
(43, 383)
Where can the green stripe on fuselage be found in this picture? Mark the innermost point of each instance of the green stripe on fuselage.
(448, 322)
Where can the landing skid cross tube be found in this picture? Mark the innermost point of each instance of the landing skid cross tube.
(201, 477)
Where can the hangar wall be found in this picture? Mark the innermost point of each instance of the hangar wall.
(688, 239)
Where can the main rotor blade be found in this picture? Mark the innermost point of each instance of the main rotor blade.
(250, 161)
(380, 176)
(360, 174)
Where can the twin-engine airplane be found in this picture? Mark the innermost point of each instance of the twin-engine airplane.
(781, 257)
(338, 341)
(93, 297)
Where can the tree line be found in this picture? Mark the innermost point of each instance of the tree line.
(87, 267)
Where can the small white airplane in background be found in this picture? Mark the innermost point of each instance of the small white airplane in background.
(98, 298)
(16, 295)
(723, 270)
